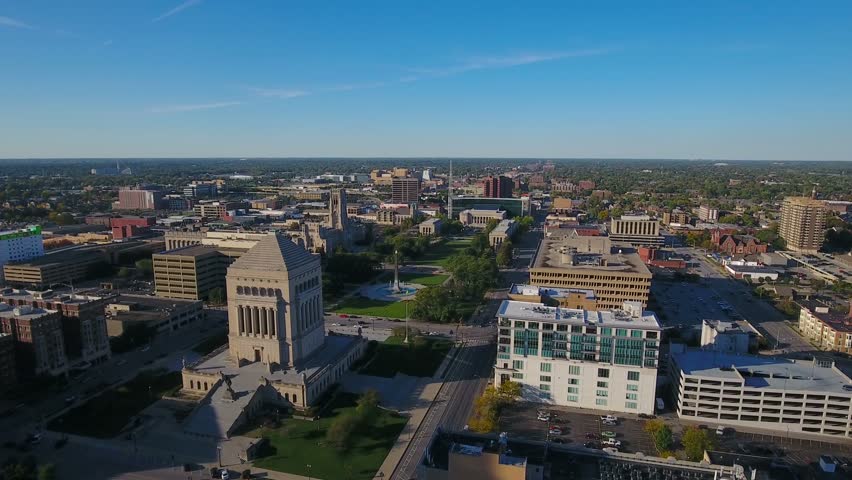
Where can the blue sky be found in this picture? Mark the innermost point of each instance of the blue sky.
(174, 78)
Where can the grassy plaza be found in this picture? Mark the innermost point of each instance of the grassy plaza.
(300, 447)
(378, 308)
(105, 415)
(441, 254)
(421, 357)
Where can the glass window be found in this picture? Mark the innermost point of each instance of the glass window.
(573, 398)
(636, 333)
(602, 393)
(606, 332)
(574, 370)
(620, 332)
(545, 367)
(600, 402)
(576, 328)
(573, 381)
(562, 328)
(532, 325)
(544, 387)
(519, 324)
(632, 388)
(603, 384)
(651, 335)
(603, 372)
(518, 376)
(633, 396)
(630, 405)
(547, 326)
(573, 389)
(633, 376)
(518, 364)
(544, 378)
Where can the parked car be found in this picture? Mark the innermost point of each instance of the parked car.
(611, 443)
(554, 430)
(607, 434)
(720, 430)
(543, 416)
(609, 418)
(343, 315)
(225, 475)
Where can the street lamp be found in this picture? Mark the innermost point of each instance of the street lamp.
(406, 322)
(219, 455)
(309, 471)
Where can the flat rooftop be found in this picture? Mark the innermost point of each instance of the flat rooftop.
(503, 227)
(556, 253)
(153, 303)
(552, 292)
(765, 372)
(62, 296)
(23, 312)
(634, 318)
(840, 321)
(191, 251)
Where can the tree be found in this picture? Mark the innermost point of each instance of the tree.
(145, 266)
(123, 272)
(340, 431)
(729, 218)
(47, 472)
(695, 442)
(216, 296)
(490, 225)
(435, 303)
(663, 439)
(504, 255)
(508, 391)
(368, 408)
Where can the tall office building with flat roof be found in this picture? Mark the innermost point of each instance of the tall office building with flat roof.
(405, 190)
(803, 223)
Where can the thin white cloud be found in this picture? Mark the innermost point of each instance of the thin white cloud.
(191, 108)
(13, 23)
(482, 63)
(183, 6)
(282, 93)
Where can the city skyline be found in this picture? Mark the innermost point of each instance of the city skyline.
(213, 79)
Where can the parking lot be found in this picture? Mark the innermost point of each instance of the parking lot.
(576, 424)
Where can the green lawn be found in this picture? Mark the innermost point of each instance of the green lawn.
(298, 443)
(419, 358)
(210, 343)
(373, 308)
(440, 254)
(423, 279)
(105, 415)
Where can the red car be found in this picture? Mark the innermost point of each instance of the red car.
(343, 315)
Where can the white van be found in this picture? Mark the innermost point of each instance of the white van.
(661, 405)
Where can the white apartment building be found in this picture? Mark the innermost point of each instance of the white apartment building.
(708, 214)
(601, 360)
(792, 397)
(20, 245)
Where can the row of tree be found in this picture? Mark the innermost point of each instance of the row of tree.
(487, 408)
(695, 440)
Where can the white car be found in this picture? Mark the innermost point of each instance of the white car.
(720, 430)
(612, 443)
(544, 417)
(225, 475)
(609, 418)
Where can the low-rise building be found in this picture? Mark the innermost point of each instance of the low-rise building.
(677, 217)
(430, 227)
(601, 360)
(160, 314)
(217, 209)
(84, 329)
(830, 329)
(708, 214)
(20, 245)
(60, 267)
(502, 233)
(753, 272)
(39, 344)
(737, 244)
(126, 227)
(479, 218)
(793, 397)
(728, 337)
(661, 258)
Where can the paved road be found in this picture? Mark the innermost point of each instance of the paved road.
(453, 405)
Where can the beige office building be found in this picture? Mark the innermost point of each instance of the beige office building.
(636, 230)
(803, 223)
(615, 275)
(190, 273)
